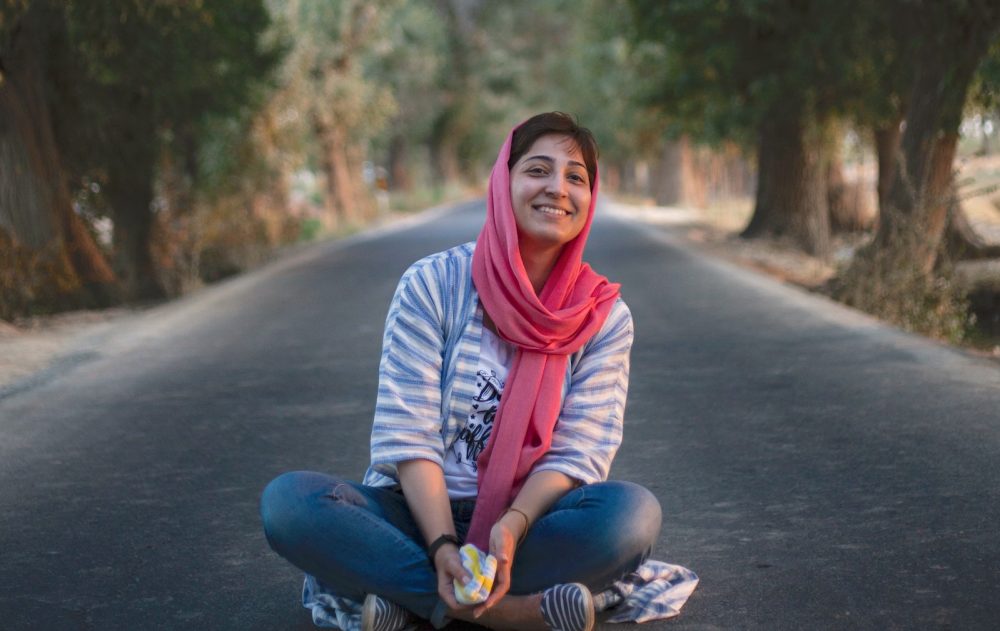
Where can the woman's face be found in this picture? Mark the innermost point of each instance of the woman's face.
(550, 191)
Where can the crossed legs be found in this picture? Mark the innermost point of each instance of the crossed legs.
(359, 540)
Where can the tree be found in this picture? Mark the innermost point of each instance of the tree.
(899, 274)
(49, 256)
(955, 36)
(149, 71)
(412, 67)
(326, 77)
(774, 73)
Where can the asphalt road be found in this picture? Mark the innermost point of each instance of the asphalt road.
(817, 469)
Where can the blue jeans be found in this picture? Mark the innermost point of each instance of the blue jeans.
(359, 539)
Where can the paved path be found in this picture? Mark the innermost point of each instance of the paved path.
(819, 470)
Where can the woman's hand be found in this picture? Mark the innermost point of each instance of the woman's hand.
(503, 542)
(449, 567)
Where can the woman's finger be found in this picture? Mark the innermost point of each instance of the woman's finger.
(501, 585)
(446, 590)
(447, 594)
(457, 570)
(451, 568)
(501, 547)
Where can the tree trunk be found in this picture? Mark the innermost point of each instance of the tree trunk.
(444, 150)
(343, 201)
(611, 176)
(921, 189)
(399, 170)
(791, 185)
(887, 150)
(677, 179)
(896, 275)
(725, 174)
(850, 210)
(36, 209)
(130, 195)
(341, 173)
(458, 119)
(364, 207)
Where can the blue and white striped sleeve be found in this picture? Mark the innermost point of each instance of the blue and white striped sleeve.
(408, 407)
(589, 430)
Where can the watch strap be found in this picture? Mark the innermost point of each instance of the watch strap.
(440, 541)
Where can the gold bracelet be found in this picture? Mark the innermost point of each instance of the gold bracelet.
(527, 521)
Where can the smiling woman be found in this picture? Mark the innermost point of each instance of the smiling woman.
(500, 405)
(550, 193)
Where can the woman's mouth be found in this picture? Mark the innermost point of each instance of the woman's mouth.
(552, 210)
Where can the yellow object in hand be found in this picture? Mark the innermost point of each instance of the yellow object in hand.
(483, 568)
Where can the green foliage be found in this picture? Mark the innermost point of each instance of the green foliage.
(411, 63)
(310, 229)
(985, 92)
(10, 12)
(334, 44)
(603, 77)
(726, 65)
(161, 72)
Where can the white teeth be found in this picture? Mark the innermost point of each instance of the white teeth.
(549, 210)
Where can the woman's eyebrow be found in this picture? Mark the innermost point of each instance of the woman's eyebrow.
(552, 161)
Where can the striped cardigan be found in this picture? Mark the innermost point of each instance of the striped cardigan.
(430, 351)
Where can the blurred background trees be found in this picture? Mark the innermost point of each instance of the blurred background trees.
(149, 146)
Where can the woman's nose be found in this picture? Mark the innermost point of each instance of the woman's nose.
(555, 187)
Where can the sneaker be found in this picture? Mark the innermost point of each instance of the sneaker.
(379, 614)
(568, 607)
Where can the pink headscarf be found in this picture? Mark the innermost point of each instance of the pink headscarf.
(546, 329)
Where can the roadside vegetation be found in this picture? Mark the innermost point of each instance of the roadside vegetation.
(147, 147)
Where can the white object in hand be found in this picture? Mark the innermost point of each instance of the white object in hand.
(483, 568)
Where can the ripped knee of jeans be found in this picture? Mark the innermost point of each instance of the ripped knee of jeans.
(346, 493)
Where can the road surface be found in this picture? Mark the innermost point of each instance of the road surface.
(818, 470)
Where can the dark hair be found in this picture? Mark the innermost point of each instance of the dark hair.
(555, 123)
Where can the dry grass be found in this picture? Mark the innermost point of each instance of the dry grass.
(979, 180)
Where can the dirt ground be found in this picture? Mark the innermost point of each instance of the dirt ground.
(32, 344)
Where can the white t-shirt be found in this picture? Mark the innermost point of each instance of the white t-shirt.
(460, 471)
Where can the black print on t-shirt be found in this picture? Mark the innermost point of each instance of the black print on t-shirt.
(472, 439)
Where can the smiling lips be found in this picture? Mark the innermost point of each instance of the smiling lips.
(552, 210)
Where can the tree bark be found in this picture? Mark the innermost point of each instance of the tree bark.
(457, 119)
(130, 195)
(791, 197)
(897, 274)
(36, 209)
(921, 189)
(399, 170)
(678, 180)
(725, 174)
(444, 140)
(343, 178)
(850, 210)
(887, 150)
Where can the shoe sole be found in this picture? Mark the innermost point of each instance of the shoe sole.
(368, 611)
(591, 614)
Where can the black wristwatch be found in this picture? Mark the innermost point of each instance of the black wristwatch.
(440, 541)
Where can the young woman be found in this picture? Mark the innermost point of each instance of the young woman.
(501, 394)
